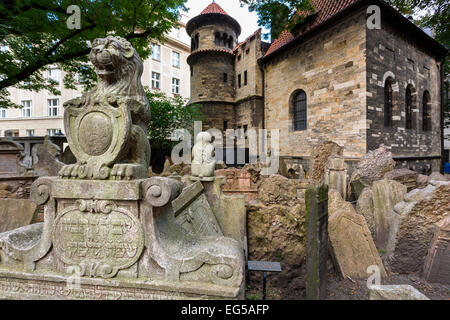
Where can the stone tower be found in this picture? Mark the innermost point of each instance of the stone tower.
(214, 35)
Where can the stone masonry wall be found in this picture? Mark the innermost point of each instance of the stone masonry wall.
(247, 56)
(207, 78)
(330, 68)
(391, 54)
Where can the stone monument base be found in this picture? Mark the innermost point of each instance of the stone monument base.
(46, 286)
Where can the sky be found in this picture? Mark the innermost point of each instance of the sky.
(247, 20)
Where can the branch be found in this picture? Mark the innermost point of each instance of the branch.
(67, 37)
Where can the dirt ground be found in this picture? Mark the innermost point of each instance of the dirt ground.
(346, 289)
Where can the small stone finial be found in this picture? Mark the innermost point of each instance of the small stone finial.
(203, 163)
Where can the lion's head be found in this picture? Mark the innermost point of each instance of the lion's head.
(118, 66)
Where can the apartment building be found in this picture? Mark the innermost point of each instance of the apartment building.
(42, 114)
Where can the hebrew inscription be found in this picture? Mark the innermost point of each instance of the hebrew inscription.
(99, 237)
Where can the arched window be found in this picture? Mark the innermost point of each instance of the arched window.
(426, 111)
(217, 39)
(388, 104)
(408, 108)
(299, 111)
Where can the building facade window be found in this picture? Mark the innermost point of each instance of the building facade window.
(27, 110)
(54, 74)
(53, 107)
(175, 86)
(30, 132)
(388, 103)
(175, 59)
(156, 80)
(426, 111)
(2, 113)
(156, 52)
(245, 78)
(239, 81)
(225, 77)
(408, 108)
(299, 111)
(54, 132)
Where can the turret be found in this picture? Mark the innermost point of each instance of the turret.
(213, 35)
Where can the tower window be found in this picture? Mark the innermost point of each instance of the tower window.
(299, 111)
(239, 80)
(225, 77)
(245, 77)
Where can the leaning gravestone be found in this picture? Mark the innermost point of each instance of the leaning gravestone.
(352, 246)
(107, 227)
(316, 242)
(437, 263)
(15, 213)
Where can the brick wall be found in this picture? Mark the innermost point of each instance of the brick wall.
(392, 54)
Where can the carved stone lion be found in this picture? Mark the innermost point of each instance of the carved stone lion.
(106, 127)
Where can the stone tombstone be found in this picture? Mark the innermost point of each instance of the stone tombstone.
(377, 204)
(16, 213)
(395, 292)
(239, 181)
(316, 242)
(193, 212)
(10, 156)
(106, 225)
(336, 175)
(437, 263)
(352, 246)
(203, 163)
(319, 158)
(48, 163)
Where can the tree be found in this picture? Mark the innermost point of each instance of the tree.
(169, 114)
(278, 15)
(34, 35)
(431, 14)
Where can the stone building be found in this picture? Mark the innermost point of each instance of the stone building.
(331, 78)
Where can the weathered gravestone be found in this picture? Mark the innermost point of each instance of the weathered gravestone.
(48, 163)
(16, 213)
(10, 155)
(193, 212)
(106, 225)
(316, 242)
(352, 246)
(437, 263)
(336, 175)
(395, 292)
(376, 204)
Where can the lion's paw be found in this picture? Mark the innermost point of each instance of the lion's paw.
(127, 172)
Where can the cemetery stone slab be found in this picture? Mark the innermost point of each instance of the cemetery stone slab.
(15, 213)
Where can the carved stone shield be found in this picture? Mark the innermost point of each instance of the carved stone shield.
(97, 134)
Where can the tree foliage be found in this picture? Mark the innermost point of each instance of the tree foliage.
(278, 15)
(36, 36)
(169, 114)
(431, 14)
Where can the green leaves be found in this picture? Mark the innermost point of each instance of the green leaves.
(278, 15)
(169, 114)
(36, 36)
